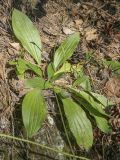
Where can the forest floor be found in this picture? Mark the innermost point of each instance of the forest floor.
(98, 22)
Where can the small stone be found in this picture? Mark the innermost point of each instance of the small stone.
(50, 120)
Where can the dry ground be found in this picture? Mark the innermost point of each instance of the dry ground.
(99, 25)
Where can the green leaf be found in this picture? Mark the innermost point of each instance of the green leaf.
(33, 111)
(95, 109)
(66, 50)
(79, 124)
(84, 82)
(102, 124)
(23, 65)
(101, 99)
(66, 67)
(27, 34)
(114, 65)
(37, 82)
(93, 103)
(36, 69)
(79, 73)
(50, 70)
(89, 103)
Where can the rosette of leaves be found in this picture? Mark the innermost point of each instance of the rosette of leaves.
(80, 106)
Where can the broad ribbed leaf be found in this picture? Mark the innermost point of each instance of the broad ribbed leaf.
(27, 34)
(102, 99)
(65, 68)
(23, 65)
(88, 102)
(33, 111)
(50, 71)
(66, 50)
(95, 108)
(84, 82)
(102, 124)
(36, 69)
(79, 124)
(37, 82)
(93, 103)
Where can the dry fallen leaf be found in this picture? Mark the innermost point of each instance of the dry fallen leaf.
(15, 46)
(112, 89)
(91, 34)
(2, 66)
(78, 22)
(54, 31)
(67, 31)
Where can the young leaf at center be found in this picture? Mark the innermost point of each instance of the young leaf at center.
(33, 111)
(66, 50)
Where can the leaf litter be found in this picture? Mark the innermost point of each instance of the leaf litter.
(98, 23)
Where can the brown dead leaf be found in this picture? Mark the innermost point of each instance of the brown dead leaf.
(19, 86)
(78, 22)
(114, 50)
(15, 46)
(47, 41)
(74, 11)
(117, 36)
(91, 34)
(2, 66)
(54, 31)
(67, 31)
(112, 89)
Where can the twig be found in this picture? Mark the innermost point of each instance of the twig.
(42, 146)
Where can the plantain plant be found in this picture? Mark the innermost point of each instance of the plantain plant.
(80, 105)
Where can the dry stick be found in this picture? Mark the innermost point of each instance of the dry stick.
(42, 146)
(12, 128)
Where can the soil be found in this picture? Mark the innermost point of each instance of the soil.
(99, 25)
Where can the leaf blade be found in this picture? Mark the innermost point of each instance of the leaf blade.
(84, 82)
(102, 99)
(27, 34)
(79, 124)
(66, 50)
(50, 71)
(88, 102)
(22, 66)
(37, 82)
(33, 111)
(103, 125)
(95, 109)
